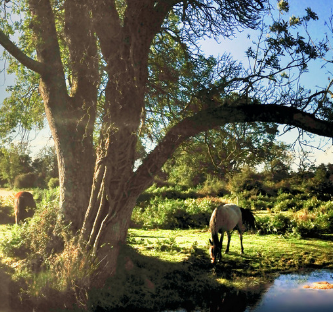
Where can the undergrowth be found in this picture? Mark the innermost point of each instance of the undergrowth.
(48, 263)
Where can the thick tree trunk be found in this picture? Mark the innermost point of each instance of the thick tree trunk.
(70, 113)
(75, 155)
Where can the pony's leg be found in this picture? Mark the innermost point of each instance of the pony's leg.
(221, 242)
(241, 240)
(229, 238)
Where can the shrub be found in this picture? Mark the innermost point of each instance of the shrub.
(246, 180)
(262, 225)
(35, 235)
(312, 203)
(288, 204)
(13, 241)
(279, 224)
(53, 183)
(260, 204)
(314, 223)
(213, 187)
(26, 180)
(174, 213)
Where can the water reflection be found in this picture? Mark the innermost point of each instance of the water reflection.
(285, 294)
(288, 294)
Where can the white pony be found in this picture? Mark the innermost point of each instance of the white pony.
(226, 218)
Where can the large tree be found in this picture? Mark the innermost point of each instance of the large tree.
(98, 69)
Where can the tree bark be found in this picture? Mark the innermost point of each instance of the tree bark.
(71, 116)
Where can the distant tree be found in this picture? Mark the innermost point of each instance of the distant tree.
(321, 184)
(45, 164)
(278, 162)
(222, 152)
(14, 161)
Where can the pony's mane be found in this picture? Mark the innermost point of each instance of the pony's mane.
(248, 218)
(212, 222)
(212, 227)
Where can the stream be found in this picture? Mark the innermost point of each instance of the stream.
(288, 294)
(285, 294)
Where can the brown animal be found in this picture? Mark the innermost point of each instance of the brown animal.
(24, 206)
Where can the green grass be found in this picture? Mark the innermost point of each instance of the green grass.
(264, 255)
(166, 269)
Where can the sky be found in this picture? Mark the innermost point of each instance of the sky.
(237, 46)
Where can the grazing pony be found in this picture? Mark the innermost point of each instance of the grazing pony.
(24, 206)
(225, 218)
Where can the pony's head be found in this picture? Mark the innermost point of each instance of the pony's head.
(214, 249)
(248, 219)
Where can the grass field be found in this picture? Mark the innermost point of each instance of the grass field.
(264, 254)
(167, 269)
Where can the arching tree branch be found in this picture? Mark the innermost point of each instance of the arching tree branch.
(219, 116)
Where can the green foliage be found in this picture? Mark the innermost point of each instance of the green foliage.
(304, 223)
(168, 191)
(13, 242)
(174, 213)
(321, 184)
(222, 152)
(36, 234)
(246, 180)
(172, 207)
(287, 204)
(213, 187)
(18, 169)
(279, 224)
(53, 183)
(26, 180)
(14, 161)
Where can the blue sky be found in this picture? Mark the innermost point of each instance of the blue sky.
(315, 78)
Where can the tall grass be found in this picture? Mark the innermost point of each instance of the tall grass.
(45, 256)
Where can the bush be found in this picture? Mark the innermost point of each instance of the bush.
(174, 213)
(213, 187)
(246, 180)
(314, 223)
(262, 204)
(288, 204)
(26, 180)
(279, 224)
(312, 203)
(53, 183)
(13, 242)
(35, 235)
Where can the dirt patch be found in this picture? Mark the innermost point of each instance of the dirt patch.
(5, 193)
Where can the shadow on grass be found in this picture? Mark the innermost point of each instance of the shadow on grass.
(145, 283)
(10, 299)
